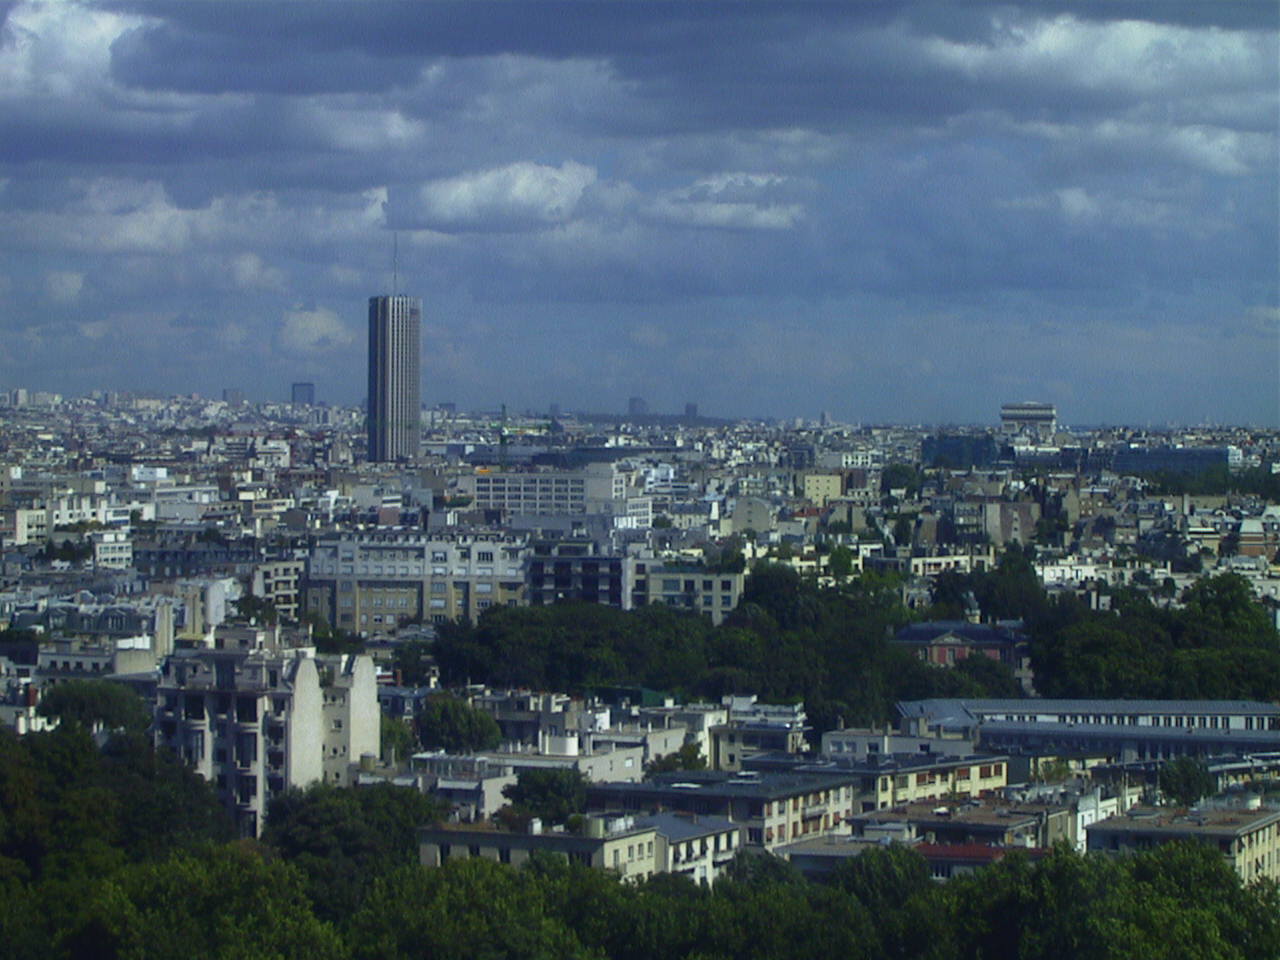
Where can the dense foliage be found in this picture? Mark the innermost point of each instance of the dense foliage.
(788, 640)
(118, 852)
(447, 723)
(1220, 645)
(95, 703)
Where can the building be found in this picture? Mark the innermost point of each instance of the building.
(1249, 839)
(945, 643)
(1020, 826)
(276, 581)
(372, 581)
(771, 808)
(754, 728)
(256, 719)
(563, 570)
(1124, 731)
(394, 412)
(303, 394)
(616, 843)
(890, 780)
(685, 587)
(595, 488)
(1166, 459)
(1039, 420)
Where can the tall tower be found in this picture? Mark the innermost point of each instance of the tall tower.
(395, 412)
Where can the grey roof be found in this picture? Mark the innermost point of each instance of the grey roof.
(763, 786)
(970, 711)
(674, 826)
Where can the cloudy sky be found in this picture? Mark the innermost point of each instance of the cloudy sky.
(889, 212)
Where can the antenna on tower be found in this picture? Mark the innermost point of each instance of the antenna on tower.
(395, 263)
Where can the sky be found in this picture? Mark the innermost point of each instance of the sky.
(888, 212)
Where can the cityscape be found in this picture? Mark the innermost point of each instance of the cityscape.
(470, 486)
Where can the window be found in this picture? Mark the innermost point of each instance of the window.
(485, 556)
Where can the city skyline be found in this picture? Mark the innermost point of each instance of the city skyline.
(895, 213)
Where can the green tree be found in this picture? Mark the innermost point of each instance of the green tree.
(93, 703)
(397, 738)
(688, 757)
(259, 609)
(224, 902)
(884, 877)
(340, 839)
(450, 724)
(840, 562)
(1185, 780)
(551, 795)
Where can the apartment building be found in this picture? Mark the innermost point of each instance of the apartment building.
(619, 843)
(254, 718)
(771, 808)
(546, 492)
(372, 581)
(1247, 838)
(685, 587)
(278, 581)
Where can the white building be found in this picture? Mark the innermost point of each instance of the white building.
(255, 719)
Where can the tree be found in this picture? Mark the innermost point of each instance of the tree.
(688, 757)
(1185, 780)
(840, 562)
(551, 795)
(341, 839)
(398, 739)
(414, 663)
(258, 609)
(449, 724)
(93, 703)
(223, 902)
(884, 877)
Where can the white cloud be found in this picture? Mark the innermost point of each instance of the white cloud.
(734, 216)
(313, 331)
(1126, 55)
(516, 196)
(1077, 205)
(734, 200)
(63, 286)
(248, 272)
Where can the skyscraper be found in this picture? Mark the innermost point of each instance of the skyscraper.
(394, 414)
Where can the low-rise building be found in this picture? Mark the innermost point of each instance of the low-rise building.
(616, 843)
(771, 808)
(1249, 839)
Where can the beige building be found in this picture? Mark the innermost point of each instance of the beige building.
(1249, 839)
(688, 588)
(364, 583)
(616, 843)
(818, 488)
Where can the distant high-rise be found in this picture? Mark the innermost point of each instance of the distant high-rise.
(303, 394)
(395, 412)
(636, 407)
